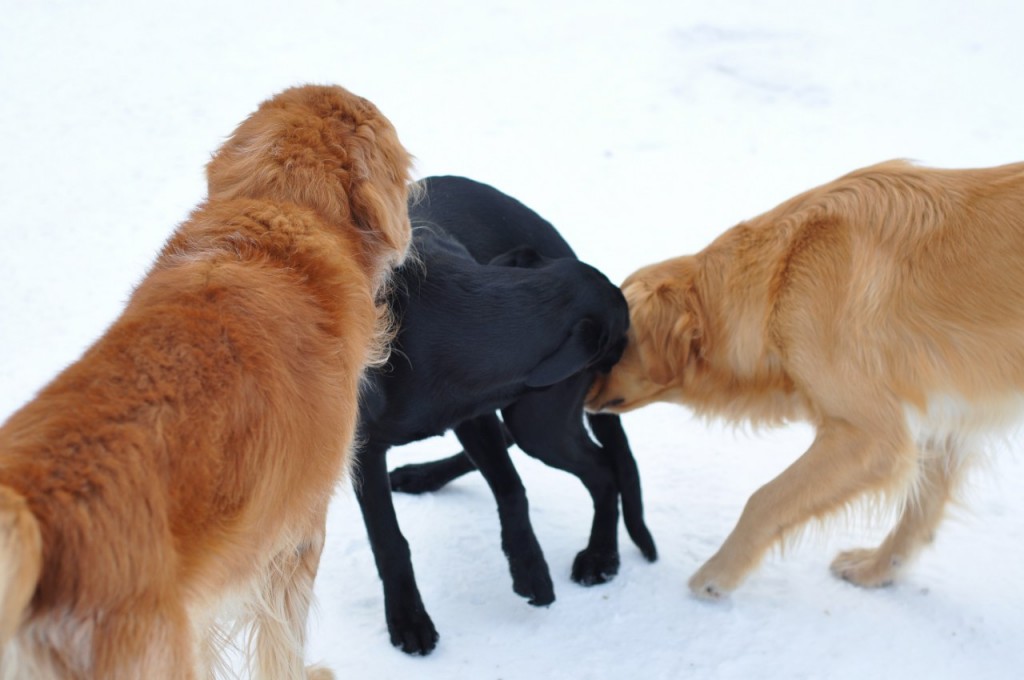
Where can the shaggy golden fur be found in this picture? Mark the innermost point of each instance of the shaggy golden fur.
(887, 308)
(186, 461)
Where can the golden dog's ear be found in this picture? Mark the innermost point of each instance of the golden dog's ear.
(379, 193)
(666, 330)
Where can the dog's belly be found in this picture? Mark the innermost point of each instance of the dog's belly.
(958, 425)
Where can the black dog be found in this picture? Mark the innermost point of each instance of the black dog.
(495, 312)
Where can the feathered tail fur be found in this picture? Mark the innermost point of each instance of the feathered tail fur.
(21, 557)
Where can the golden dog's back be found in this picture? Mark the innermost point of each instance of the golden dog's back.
(914, 275)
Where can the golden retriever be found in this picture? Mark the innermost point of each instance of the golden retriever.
(887, 308)
(185, 462)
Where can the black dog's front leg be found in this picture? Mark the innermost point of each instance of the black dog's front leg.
(484, 442)
(409, 624)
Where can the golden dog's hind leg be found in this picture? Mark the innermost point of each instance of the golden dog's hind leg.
(280, 616)
(923, 510)
(143, 641)
(843, 462)
(20, 560)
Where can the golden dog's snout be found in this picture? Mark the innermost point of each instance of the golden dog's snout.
(596, 401)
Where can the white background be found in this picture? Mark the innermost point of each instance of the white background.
(641, 129)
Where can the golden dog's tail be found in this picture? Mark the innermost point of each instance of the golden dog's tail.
(21, 560)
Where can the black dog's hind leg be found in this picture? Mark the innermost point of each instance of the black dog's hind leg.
(548, 425)
(607, 428)
(409, 624)
(484, 442)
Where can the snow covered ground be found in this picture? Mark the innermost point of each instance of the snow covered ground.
(641, 129)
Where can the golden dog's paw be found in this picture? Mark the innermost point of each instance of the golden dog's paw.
(710, 584)
(318, 673)
(865, 567)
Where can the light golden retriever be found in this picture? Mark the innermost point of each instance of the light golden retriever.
(887, 308)
(185, 462)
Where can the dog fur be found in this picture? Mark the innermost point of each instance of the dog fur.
(887, 308)
(186, 461)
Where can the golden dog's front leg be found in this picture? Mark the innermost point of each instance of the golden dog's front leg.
(843, 462)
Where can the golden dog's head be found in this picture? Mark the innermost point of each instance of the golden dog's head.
(663, 340)
(326, 149)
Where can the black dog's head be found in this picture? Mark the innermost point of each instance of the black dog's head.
(598, 336)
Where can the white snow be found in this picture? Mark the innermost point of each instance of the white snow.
(641, 129)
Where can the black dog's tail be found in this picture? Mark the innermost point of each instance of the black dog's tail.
(428, 477)
(607, 428)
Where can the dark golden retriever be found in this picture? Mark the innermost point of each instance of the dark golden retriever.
(887, 308)
(185, 462)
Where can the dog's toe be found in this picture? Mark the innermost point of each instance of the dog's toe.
(706, 591)
(593, 568)
(414, 634)
(531, 577)
(420, 642)
(865, 568)
(543, 599)
(708, 586)
(538, 589)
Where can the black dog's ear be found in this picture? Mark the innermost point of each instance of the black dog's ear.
(575, 353)
(523, 256)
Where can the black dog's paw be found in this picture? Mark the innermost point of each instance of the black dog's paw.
(532, 579)
(538, 589)
(593, 568)
(413, 632)
(415, 478)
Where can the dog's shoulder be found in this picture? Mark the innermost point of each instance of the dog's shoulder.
(264, 259)
(276, 235)
(436, 261)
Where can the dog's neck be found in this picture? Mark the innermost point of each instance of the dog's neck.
(740, 372)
